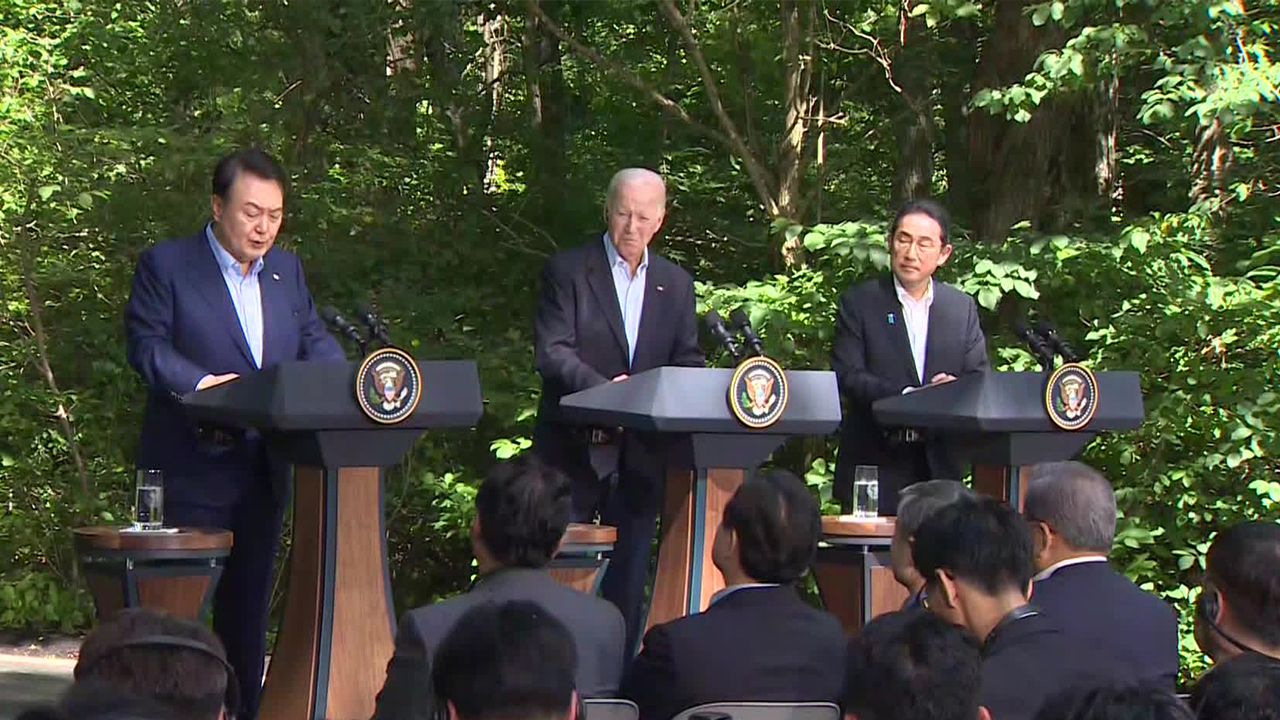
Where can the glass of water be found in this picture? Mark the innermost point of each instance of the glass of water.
(148, 509)
(866, 491)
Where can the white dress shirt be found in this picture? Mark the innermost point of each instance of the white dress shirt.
(1063, 563)
(246, 293)
(630, 291)
(915, 313)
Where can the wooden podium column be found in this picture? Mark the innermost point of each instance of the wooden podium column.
(1003, 482)
(337, 633)
(686, 577)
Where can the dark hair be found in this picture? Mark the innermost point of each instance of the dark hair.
(913, 666)
(777, 524)
(509, 660)
(923, 206)
(524, 508)
(1114, 702)
(1244, 565)
(980, 540)
(918, 501)
(190, 683)
(97, 700)
(1244, 687)
(1076, 501)
(251, 160)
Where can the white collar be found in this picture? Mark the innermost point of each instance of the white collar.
(226, 261)
(614, 258)
(905, 297)
(1069, 561)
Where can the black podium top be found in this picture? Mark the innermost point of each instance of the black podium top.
(695, 400)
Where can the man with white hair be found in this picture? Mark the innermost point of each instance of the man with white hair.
(607, 310)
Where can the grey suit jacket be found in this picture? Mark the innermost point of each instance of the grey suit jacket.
(596, 625)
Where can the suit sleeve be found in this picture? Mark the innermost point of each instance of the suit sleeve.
(148, 324)
(685, 350)
(975, 349)
(407, 693)
(849, 357)
(317, 343)
(652, 682)
(554, 336)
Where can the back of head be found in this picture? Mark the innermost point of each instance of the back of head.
(509, 661)
(1119, 702)
(1244, 687)
(913, 666)
(979, 540)
(920, 500)
(1244, 565)
(141, 651)
(523, 506)
(97, 700)
(777, 525)
(1076, 501)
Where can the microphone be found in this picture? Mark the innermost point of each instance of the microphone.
(1067, 352)
(331, 318)
(743, 323)
(715, 325)
(377, 328)
(1038, 346)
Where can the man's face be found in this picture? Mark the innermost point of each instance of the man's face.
(249, 216)
(916, 249)
(635, 215)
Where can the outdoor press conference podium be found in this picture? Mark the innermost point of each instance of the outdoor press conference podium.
(692, 403)
(338, 628)
(997, 421)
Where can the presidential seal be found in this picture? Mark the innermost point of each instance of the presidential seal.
(388, 385)
(758, 392)
(1071, 396)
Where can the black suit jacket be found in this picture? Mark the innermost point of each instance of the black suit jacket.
(757, 644)
(580, 342)
(1029, 660)
(1093, 602)
(871, 357)
(596, 626)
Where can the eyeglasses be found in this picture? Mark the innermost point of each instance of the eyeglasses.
(926, 244)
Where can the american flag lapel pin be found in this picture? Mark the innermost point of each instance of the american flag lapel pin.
(275, 276)
(660, 288)
(890, 318)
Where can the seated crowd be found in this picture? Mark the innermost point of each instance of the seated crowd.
(1010, 617)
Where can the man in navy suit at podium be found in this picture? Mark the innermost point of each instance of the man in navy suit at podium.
(894, 335)
(205, 309)
(610, 309)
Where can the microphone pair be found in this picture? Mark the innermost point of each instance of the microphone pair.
(1045, 342)
(377, 329)
(739, 321)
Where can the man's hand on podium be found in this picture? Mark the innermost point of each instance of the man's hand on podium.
(209, 381)
(941, 378)
(620, 378)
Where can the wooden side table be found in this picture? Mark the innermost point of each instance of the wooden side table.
(172, 571)
(853, 572)
(583, 556)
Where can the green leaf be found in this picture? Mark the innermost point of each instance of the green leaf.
(988, 297)
(1185, 562)
(47, 191)
(85, 200)
(1040, 16)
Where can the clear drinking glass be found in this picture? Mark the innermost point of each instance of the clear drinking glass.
(148, 509)
(866, 491)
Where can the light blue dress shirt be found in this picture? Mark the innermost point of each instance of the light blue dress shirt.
(630, 292)
(246, 293)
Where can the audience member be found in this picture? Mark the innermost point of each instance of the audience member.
(1116, 702)
(1239, 605)
(975, 556)
(915, 503)
(508, 661)
(758, 640)
(522, 511)
(178, 663)
(1243, 687)
(1071, 511)
(913, 666)
(98, 700)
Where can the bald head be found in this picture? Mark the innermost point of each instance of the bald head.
(635, 207)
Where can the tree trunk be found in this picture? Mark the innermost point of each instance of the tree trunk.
(1210, 165)
(544, 82)
(495, 63)
(913, 123)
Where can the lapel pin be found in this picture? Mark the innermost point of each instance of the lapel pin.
(275, 276)
(890, 318)
(660, 288)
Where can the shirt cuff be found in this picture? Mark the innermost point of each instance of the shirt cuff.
(202, 379)
(909, 389)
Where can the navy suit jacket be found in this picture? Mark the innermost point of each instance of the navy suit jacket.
(757, 644)
(1093, 602)
(181, 325)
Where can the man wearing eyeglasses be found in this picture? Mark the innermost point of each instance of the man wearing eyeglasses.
(897, 334)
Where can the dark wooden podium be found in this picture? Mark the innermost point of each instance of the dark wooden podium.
(711, 452)
(337, 632)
